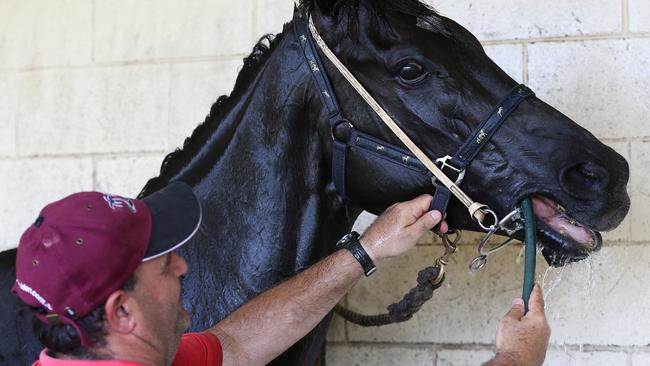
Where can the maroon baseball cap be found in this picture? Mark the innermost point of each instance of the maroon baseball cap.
(86, 246)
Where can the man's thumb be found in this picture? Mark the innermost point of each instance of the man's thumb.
(428, 220)
(517, 310)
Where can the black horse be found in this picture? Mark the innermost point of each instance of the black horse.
(260, 162)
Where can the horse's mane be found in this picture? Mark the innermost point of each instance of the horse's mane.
(175, 160)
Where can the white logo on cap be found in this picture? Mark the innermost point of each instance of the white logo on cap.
(119, 202)
(35, 294)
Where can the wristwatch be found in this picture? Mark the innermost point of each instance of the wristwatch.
(351, 242)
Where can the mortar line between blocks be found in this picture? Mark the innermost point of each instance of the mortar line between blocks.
(581, 348)
(168, 139)
(14, 153)
(561, 39)
(625, 15)
(629, 156)
(98, 155)
(93, 172)
(127, 63)
(613, 348)
(629, 358)
(525, 63)
(92, 31)
(256, 26)
(429, 345)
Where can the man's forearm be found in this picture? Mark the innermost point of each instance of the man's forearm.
(269, 324)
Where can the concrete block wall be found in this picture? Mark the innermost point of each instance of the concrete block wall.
(96, 92)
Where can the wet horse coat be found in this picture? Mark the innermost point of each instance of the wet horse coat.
(260, 163)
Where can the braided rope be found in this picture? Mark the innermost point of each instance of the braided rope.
(403, 310)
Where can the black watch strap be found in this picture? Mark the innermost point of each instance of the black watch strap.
(351, 243)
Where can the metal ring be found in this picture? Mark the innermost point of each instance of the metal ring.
(451, 243)
(495, 248)
(513, 217)
(441, 274)
(487, 211)
(478, 263)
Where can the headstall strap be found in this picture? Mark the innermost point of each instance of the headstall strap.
(309, 38)
(335, 118)
(484, 132)
(475, 143)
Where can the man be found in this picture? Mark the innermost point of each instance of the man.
(103, 277)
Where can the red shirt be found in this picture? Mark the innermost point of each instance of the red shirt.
(196, 349)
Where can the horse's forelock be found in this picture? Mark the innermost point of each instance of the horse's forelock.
(380, 8)
(347, 12)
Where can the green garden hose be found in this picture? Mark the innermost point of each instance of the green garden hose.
(530, 250)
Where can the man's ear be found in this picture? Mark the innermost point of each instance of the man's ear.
(119, 309)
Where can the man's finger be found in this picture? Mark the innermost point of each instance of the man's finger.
(517, 310)
(428, 221)
(419, 205)
(536, 301)
(444, 227)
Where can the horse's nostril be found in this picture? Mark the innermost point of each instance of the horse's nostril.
(585, 178)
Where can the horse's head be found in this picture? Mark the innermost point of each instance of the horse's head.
(434, 78)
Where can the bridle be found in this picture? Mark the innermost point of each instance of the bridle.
(345, 136)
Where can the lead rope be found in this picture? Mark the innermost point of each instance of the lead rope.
(431, 278)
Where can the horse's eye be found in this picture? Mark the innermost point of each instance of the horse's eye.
(411, 71)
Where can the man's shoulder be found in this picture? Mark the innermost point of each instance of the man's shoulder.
(202, 348)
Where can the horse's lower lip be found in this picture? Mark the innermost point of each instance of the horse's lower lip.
(555, 218)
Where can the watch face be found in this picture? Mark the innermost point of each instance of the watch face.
(346, 239)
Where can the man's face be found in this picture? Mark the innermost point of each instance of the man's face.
(158, 294)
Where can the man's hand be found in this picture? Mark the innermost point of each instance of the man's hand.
(522, 339)
(399, 228)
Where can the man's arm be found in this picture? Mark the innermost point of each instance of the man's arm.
(269, 324)
(522, 339)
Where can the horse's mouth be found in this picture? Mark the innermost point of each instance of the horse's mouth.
(564, 239)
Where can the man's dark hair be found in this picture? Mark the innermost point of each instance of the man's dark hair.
(65, 339)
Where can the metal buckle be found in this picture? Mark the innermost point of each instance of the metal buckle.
(486, 213)
(450, 249)
(511, 223)
(444, 164)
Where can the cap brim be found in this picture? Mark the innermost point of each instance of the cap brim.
(175, 218)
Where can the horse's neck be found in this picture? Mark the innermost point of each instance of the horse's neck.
(268, 208)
